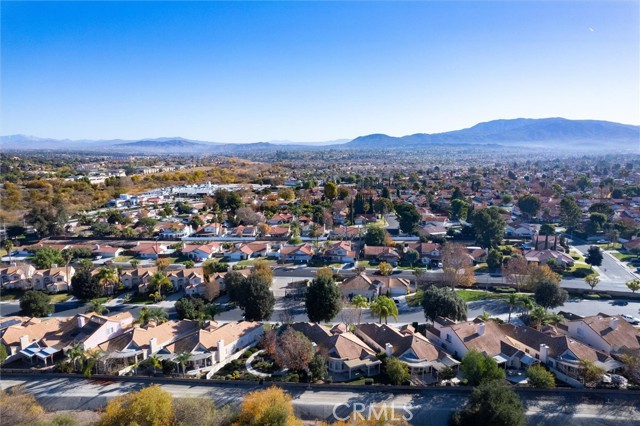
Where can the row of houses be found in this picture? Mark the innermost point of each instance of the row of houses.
(121, 344)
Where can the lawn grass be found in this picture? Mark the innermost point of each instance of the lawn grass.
(475, 295)
(123, 258)
(358, 381)
(365, 263)
(624, 257)
(59, 298)
(140, 299)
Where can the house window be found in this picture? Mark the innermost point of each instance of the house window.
(448, 338)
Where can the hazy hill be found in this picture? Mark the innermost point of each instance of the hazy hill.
(558, 133)
(521, 131)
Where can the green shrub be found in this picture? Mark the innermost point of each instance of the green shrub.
(503, 289)
(592, 296)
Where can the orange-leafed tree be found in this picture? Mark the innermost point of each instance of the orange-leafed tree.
(271, 406)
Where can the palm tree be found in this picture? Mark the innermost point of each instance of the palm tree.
(513, 301)
(486, 316)
(91, 357)
(134, 263)
(8, 246)
(384, 307)
(158, 281)
(74, 354)
(181, 359)
(526, 303)
(158, 315)
(67, 256)
(96, 306)
(108, 277)
(154, 362)
(360, 302)
(537, 316)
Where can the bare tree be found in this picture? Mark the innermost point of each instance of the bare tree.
(457, 266)
(516, 271)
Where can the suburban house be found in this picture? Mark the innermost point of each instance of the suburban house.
(544, 256)
(211, 229)
(16, 276)
(519, 231)
(280, 219)
(180, 278)
(339, 253)
(174, 230)
(141, 342)
(43, 340)
(371, 287)
(429, 252)
(134, 277)
(204, 251)
(214, 344)
(519, 347)
(382, 254)
(609, 334)
(54, 279)
(150, 250)
(107, 251)
(249, 251)
(296, 253)
(347, 355)
(423, 358)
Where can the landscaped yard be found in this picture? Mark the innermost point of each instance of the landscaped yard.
(8, 295)
(58, 298)
(624, 257)
(475, 295)
(123, 258)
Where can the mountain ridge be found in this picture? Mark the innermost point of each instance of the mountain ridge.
(560, 132)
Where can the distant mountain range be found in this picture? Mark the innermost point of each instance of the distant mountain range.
(557, 133)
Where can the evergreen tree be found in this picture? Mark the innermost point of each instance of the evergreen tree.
(323, 299)
(443, 302)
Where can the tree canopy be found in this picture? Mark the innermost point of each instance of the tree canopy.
(36, 304)
(323, 299)
(488, 227)
(550, 295)
(491, 404)
(478, 368)
(443, 302)
(408, 217)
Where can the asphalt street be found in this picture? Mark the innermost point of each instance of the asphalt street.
(429, 407)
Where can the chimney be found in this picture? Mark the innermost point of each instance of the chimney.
(613, 323)
(388, 348)
(24, 341)
(221, 351)
(544, 353)
(81, 321)
(153, 345)
(481, 329)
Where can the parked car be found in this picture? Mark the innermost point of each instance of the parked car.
(619, 303)
(630, 319)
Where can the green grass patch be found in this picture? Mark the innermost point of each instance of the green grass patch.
(358, 381)
(624, 257)
(123, 258)
(366, 264)
(9, 295)
(59, 298)
(475, 295)
(140, 299)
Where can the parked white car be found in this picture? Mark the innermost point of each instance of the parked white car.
(630, 319)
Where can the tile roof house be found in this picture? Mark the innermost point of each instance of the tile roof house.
(174, 230)
(347, 355)
(201, 251)
(249, 251)
(429, 252)
(132, 278)
(180, 278)
(423, 358)
(142, 342)
(16, 276)
(382, 254)
(281, 219)
(214, 344)
(54, 279)
(296, 253)
(150, 250)
(42, 340)
(340, 252)
(518, 347)
(609, 334)
(544, 256)
(107, 251)
(372, 286)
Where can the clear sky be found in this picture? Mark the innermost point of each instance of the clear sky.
(311, 71)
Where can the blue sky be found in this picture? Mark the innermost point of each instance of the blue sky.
(311, 71)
